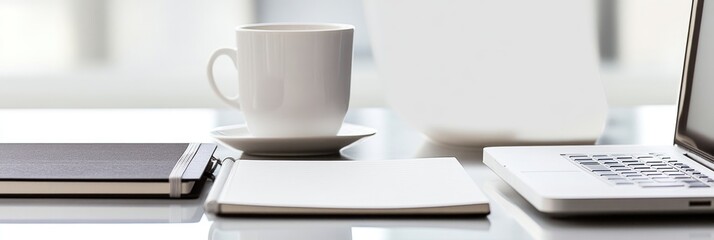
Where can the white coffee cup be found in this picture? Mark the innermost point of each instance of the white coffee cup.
(293, 79)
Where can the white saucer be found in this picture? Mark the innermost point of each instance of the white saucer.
(238, 137)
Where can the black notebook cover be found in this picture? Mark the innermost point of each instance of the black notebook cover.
(101, 162)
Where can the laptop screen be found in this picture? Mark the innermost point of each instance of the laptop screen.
(695, 129)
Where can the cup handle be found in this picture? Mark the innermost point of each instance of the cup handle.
(233, 101)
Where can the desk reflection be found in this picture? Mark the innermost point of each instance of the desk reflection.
(466, 155)
(610, 227)
(99, 211)
(64, 210)
(347, 229)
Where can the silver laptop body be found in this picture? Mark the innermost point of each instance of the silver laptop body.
(604, 179)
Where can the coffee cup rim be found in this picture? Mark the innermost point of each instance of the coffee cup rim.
(294, 27)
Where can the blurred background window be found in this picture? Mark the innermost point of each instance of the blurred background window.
(153, 53)
(642, 46)
(113, 53)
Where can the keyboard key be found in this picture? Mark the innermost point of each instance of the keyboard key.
(600, 155)
(644, 157)
(590, 163)
(656, 185)
(630, 161)
(610, 162)
(682, 177)
(654, 174)
(674, 174)
(608, 174)
(666, 181)
(698, 185)
(621, 169)
(641, 168)
(582, 159)
(624, 183)
(596, 167)
(577, 155)
(616, 179)
(624, 157)
(617, 166)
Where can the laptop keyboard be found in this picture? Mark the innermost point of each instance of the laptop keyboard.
(653, 170)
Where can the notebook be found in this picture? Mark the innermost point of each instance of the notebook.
(429, 186)
(107, 170)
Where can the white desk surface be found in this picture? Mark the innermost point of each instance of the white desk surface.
(511, 218)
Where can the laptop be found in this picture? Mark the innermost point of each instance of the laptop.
(571, 180)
